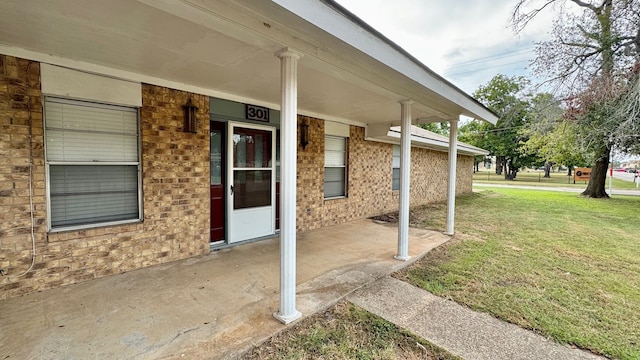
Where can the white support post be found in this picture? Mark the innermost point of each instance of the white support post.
(405, 171)
(288, 149)
(453, 157)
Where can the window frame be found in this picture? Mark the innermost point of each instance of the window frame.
(345, 167)
(47, 163)
(393, 167)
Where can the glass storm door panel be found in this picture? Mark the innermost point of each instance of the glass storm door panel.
(251, 201)
(218, 170)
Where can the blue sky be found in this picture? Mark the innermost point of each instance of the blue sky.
(466, 41)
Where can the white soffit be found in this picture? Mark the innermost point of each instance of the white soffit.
(420, 138)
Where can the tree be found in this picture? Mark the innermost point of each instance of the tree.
(552, 139)
(438, 128)
(585, 58)
(473, 133)
(596, 112)
(545, 114)
(506, 97)
(628, 111)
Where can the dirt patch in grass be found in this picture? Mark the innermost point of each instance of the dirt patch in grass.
(346, 331)
(433, 216)
(391, 218)
(418, 216)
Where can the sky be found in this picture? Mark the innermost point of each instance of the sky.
(465, 41)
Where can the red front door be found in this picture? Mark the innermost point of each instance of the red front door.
(218, 166)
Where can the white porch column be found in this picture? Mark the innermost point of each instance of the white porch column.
(453, 160)
(405, 171)
(288, 149)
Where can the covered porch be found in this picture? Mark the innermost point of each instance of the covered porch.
(213, 305)
(311, 58)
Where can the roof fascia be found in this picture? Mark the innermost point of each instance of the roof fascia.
(342, 24)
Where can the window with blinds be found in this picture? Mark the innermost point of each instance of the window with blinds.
(92, 162)
(335, 166)
(395, 181)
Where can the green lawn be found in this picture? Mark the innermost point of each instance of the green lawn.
(535, 178)
(566, 266)
(346, 332)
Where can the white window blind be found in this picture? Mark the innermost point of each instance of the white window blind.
(79, 131)
(335, 166)
(395, 182)
(93, 163)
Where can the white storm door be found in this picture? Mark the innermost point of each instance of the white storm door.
(251, 190)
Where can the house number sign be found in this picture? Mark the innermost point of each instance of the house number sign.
(258, 113)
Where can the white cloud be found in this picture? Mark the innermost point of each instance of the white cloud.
(466, 41)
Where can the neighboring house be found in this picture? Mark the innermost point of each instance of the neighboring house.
(140, 132)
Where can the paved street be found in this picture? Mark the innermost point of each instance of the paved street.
(625, 176)
(562, 189)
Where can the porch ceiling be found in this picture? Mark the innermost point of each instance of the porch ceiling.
(226, 49)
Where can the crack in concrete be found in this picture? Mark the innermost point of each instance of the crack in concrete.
(160, 345)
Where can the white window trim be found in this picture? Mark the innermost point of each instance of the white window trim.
(394, 167)
(346, 176)
(140, 218)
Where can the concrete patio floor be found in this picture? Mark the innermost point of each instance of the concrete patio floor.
(212, 306)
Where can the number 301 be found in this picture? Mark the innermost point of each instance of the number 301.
(257, 113)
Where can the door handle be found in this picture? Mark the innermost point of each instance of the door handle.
(231, 189)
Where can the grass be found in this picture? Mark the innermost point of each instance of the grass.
(346, 332)
(535, 178)
(565, 266)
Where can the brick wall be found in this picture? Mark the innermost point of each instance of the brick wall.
(175, 187)
(369, 179)
(176, 174)
(20, 121)
(464, 175)
(310, 180)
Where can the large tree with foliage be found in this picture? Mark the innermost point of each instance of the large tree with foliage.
(506, 97)
(590, 59)
(473, 133)
(552, 139)
(441, 128)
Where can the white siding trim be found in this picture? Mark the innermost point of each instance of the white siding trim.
(336, 129)
(75, 84)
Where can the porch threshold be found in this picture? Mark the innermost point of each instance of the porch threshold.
(212, 306)
(222, 244)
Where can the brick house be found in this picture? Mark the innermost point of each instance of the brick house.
(136, 133)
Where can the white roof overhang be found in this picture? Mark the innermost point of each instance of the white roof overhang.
(348, 73)
(420, 138)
